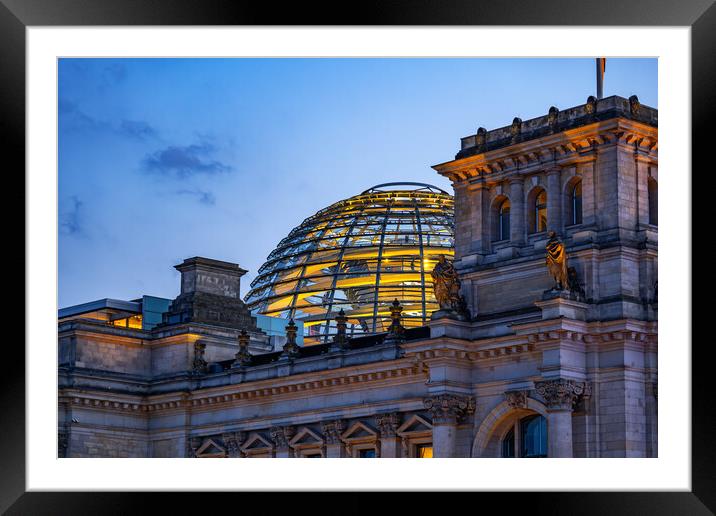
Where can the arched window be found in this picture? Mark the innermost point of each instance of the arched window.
(538, 216)
(653, 202)
(576, 203)
(528, 436)
(502, 221)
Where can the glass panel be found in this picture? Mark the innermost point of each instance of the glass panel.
(424, 451)
(534, 436)
(508, 444)
(367, 454)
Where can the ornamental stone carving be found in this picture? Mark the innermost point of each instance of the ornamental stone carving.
(481, 139)
(388, 424)
(552, 119)
(62, 439)
(591, 106)
(199, 365)
(634, 105)
(516, 399)
(340, 340)
(332, 431)
(291, 348)
(516, 129)
(243, 357)
(396, 330)
(449, 409)
(562, 394)
(281, 435)
(233, 442)
(446, 286)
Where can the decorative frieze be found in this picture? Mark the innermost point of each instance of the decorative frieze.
(562, 394)
(449, 409)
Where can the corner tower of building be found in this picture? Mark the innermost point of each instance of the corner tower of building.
(588, 173)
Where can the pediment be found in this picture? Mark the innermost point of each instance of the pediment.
(256, 441)
(306, 436)
(359, 430)
(210, 448)
(415, 424)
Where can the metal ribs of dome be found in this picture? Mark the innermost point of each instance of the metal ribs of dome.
(359, 254)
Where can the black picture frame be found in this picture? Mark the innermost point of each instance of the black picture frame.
(17, 15)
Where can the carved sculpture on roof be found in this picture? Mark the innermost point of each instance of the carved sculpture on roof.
(291, 348)
(340, 340)
(591, 106)
(446, 285)
(552, 119)
(556, 260)
(199, 365)
(634, 105)
(481, 138)
(396, 330)
(243, 357)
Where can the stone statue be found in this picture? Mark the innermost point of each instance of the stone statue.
(446, 285)
(556, 260)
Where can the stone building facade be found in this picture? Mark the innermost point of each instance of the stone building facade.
(532, 370)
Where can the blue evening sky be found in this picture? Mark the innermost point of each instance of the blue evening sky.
(164, 159)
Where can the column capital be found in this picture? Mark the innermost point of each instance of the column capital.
(281, 435)
(449, 409)
(388, 424)
(517, 398)
(233, 442)
(562, 394)
(332, 431)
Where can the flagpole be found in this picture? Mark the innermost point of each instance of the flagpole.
(601, 65)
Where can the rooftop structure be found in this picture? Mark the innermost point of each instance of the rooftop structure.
(358, 255)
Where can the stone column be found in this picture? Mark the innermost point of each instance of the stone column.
(332, 435)
(281, 437)
(389, 440)
(554, 200)
(560, 396)
(448, 410)
(517, 209)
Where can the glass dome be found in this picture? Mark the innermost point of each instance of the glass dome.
(359, 255)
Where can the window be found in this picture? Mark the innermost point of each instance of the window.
(534, 436)
(424, 451)
(502, 221)
(540, 212)
(576, 197)
(367, 453)
(528, 436)
(653, 202)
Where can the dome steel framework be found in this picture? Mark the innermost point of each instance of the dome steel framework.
(359, 254)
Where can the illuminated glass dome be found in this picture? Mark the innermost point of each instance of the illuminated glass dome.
(359, 255)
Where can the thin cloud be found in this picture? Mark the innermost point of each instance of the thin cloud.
(70, 219)
(137, 130)
(74, 119)
(206, 198)
(183, 162)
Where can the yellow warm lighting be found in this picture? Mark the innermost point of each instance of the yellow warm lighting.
(358, 255)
